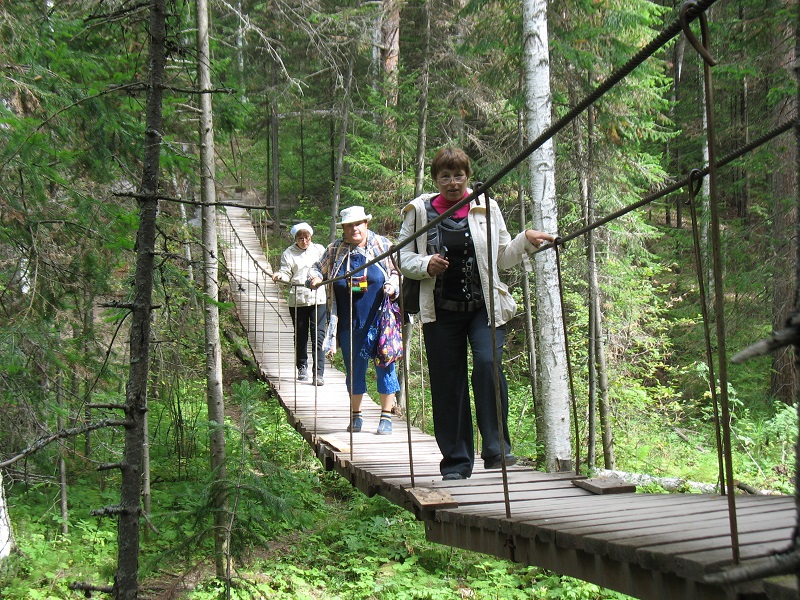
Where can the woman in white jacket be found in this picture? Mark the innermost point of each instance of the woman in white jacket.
(307, 307)
(452, 264)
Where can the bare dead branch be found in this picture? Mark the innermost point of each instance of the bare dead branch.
(64, 433)
(779, 339)
(90, 587)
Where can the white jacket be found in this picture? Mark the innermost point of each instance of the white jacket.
(295, 264)
(506, 253)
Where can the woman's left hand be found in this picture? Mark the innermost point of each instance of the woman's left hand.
(537, 238)
(389, 290)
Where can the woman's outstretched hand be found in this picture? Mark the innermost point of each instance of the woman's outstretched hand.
(537, 238)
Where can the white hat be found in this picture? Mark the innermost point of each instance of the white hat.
(301, 227)
(353, 214)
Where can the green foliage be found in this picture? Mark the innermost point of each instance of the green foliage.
(71, 125)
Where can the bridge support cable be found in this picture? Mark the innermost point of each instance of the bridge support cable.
(678, 185)
(315, 358)
(529, 334)
(694, 187)
(404, 367)
(498, 398)
(794, 321)
(350, 358)
(719, 293)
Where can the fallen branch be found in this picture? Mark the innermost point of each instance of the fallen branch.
(670, 484)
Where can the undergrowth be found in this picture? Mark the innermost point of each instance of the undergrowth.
(299, 532)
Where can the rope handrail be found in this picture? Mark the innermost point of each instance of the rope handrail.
(256, 262)
(679, 185)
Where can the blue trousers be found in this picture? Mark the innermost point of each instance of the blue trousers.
(356, 379)
(446, 342)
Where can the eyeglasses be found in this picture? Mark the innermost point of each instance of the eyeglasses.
(457, 179)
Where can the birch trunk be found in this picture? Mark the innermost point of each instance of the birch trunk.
(214, 396)
(554, 392)
(6, 534)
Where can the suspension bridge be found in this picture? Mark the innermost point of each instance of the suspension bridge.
(649, 546)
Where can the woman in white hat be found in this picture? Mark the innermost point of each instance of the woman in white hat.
(366, 290)
(307, 307)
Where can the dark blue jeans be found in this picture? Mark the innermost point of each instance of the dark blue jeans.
(306, 318)
(446, 342)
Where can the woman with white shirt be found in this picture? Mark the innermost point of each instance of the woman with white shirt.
(306, 307)
(452, 264)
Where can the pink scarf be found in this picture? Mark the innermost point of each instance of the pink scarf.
(440, 205)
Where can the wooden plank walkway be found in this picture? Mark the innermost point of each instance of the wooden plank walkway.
(650, 546)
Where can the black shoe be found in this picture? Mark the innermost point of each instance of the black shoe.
(452, 476)
(302, 374)
(495, 462)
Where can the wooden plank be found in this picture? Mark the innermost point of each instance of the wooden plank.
(604, 485)
(427, 498)
(697, 554)
(597, 541)
(627, 544)
(335, 442)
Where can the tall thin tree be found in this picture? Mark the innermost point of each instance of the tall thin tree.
(126, 584)
(214, 396)
(554, 392)
(422, 114)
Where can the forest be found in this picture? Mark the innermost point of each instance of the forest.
(142, 455)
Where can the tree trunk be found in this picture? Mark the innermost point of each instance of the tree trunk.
(784, 384)
(126, 585)
(275, 162)
(530, 334)
(62, 464)
(422, 116)
(6, 534)
(214, 395)
(552, 349)
(342, 148)
(609, 461)
(390, 57)
(584, 161)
